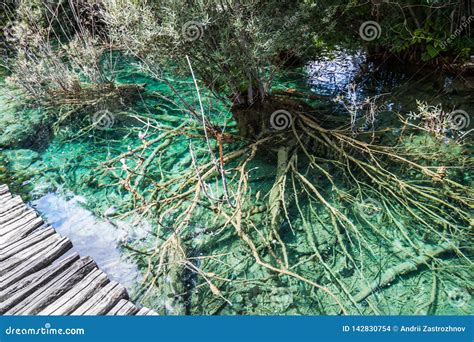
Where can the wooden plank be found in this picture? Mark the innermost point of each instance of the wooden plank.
(21, 220)
(3, 189)
(18, 291)
(78, 295)
(29, 254)
(103, 301)
(32, 282)
(23, 231)
(142, 312)
(12, 214)
(41, 260)
(123, 308)
(146, 312)
(20, 245)
(5, 197)
(10, 204)
(54, 289)
(129, 309)
(121, 303)
(11, 209)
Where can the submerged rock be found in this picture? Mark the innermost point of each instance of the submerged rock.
(20, 160)
(19, 125)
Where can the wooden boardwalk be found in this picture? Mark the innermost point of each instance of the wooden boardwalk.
(41, 274)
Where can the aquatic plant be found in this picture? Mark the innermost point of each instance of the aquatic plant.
(62, 59)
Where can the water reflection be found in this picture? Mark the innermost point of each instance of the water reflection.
(89, 235)
(331, 75)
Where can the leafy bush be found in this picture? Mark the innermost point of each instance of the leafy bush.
(235, 47)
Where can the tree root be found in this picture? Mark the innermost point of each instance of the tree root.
(404, 268)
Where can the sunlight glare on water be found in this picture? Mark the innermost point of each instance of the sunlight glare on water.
(90, 236)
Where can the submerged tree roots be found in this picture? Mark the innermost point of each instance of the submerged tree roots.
(343, 219)
(295, 216)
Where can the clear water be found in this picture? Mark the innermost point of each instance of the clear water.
(64, 180)
(91, 236)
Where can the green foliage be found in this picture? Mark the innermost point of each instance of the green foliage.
(56, 48)
(263, 231)
(235, 47)
(416, 30)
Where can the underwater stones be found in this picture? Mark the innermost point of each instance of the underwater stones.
(12, 135)
(302, 248)
(20, 124)
(20, 160)
(347, 272)
(16, 169)
(21, 128)
(111, 211)
(280, 298)
(324, 239)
